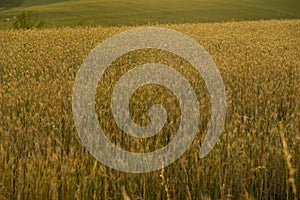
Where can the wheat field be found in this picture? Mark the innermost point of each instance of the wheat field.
(257, 156)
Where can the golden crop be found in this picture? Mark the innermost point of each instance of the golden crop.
(257, 157)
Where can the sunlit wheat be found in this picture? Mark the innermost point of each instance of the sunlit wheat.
(42, 157)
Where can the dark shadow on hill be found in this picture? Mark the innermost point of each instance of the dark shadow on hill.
(6, 4)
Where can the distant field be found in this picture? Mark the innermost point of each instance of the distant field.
(138, 12)
(257, 156)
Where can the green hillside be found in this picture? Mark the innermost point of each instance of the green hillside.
(136, 12)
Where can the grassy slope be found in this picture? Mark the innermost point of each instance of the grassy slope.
(133, 12)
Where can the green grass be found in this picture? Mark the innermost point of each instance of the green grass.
(132, 12)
